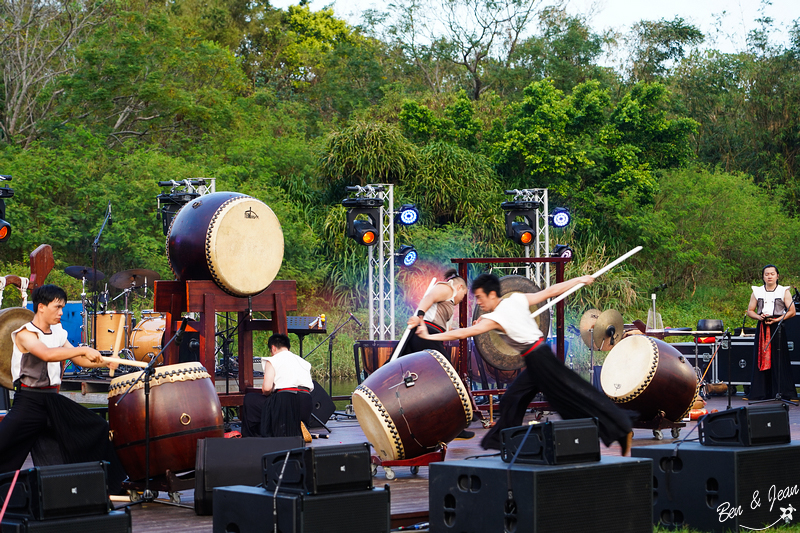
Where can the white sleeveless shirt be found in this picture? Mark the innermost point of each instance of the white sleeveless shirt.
(514, 315)
(770, 302)
(291, 371)
(31, 370)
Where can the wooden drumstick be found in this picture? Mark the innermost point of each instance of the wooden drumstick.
(404, 338)
(118, 341)
(126, 362)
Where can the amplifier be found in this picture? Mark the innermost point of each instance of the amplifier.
(321, 469)
(250, 510)
(48, 492)
(723, 488)
(112, 522)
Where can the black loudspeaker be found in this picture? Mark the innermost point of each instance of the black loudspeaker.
(321, 406)
(746, 426)
(112, 522)
(723, 488)
(614, 494)
(552, 443)
(222, 462)
(249, 510)
(319, 470)
(48, 492)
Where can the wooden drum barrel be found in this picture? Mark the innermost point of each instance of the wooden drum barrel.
(231, 238)
(649, 376)
(411, 405)
(184, 407)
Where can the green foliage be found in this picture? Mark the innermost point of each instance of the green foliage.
(657, 42)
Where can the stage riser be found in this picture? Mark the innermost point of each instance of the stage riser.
(723, 488)
(614, 494)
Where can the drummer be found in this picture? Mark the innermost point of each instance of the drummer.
(39, 411)
(569, 394)
(285, 398)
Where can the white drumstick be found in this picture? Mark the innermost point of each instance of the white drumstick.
(579, 285)
(406, 333)
(127, 362)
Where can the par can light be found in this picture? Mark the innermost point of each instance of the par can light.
(407, 215)
(560, 218)
(406, 256)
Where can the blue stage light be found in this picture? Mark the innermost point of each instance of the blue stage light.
(407, 256)
(560, 218)
(407, 215)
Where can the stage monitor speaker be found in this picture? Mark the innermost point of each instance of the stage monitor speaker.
(613, 494)
(249, 510)
(723, 488)
(554, 443)
(48, 492)
(746, 426)
(112, 522)
(323, 469)
(221, 462)
(322, 406)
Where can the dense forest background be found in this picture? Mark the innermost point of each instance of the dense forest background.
(690, 152)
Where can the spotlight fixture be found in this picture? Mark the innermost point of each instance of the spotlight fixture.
(560, 217)
(520, 232)
(5, 192)
(364, 232)
(561, 250)
(407, 215)
(407, 256)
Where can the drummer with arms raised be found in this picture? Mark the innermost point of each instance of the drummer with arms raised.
(566, 391)
(38, 350)
(772, 373)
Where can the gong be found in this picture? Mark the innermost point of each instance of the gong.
(490, 345)
(11, 319)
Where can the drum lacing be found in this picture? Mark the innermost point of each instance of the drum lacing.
(169, 376)
(370, 396)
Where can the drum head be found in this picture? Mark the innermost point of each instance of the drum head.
(629, 366)
(11, 319)
(492, 348)
(244, 248)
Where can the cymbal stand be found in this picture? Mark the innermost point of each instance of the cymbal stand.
(591, 357)
(84, 314)
(95, 246)
(145, 376)
(778, 396)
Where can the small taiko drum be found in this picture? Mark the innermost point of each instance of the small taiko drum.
(230, 238)
(184, 407)
(649, 376)
(410, 406)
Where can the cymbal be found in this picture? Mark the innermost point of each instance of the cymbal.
(608, 329)
(80, 272)
(587, 323)
(136, 277)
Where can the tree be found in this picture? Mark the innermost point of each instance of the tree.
(654, 43)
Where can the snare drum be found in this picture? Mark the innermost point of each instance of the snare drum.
(649, 376)
(107, 324)
(184, 407)
(147, 337)
(410, 406)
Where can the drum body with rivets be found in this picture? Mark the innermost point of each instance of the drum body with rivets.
(230, 238)
(649, 376)
(184, 407)
(411, 405)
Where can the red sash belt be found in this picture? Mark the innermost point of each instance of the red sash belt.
(532, 348)
(434, 326)
(294, 389)
(764, 347)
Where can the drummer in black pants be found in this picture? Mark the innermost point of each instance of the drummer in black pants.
(569, 394)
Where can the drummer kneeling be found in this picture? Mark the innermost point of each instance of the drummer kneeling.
(39, 413)
(285, 398)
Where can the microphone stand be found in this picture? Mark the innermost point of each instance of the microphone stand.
(148, 495)
(778, 397)
(95, 246)
(730, 347)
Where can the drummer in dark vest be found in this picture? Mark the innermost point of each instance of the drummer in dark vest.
(285, 397)
(569, 394)
(772, 371)
(39, 412)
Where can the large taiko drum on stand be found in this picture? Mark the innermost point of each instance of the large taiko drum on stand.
(184, 408)
(649, 376)
(408, 407)
(228, 237)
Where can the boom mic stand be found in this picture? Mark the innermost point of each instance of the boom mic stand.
(95, 246)
(778, 397)
(148, 495)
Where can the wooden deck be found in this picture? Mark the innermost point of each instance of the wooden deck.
(409, 492)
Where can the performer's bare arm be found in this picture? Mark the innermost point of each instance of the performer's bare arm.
(552, 291)
(439, 293)
(28, 342)
(269, 379)
(481, 326)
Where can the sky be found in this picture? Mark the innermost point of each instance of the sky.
(737, 16)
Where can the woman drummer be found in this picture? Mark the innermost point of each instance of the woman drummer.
(771, 304)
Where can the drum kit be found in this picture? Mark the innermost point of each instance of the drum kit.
(107, 329)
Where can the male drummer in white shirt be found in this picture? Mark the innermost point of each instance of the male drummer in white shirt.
(568, 393)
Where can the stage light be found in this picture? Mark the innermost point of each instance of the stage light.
(5, 230)
(560, 217)
(407, 256)
(520, 232)
(561, 250)
(364, 232)
(408, 215)
(5, 192)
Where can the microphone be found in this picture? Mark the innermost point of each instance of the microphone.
(743, 321)
(181, 330)
(354, 318)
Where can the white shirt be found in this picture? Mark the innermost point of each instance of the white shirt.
(514, 315)
(33, 374)
(291, 371)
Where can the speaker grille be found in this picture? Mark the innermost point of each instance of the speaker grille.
(759, 471)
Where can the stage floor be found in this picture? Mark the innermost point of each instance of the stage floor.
(409, 492)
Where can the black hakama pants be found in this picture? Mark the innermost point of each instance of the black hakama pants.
(766, 384)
